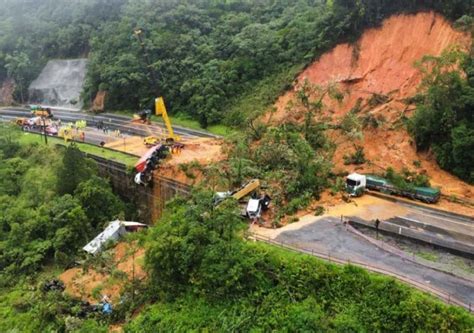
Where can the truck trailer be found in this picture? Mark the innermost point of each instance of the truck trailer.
(357, 184)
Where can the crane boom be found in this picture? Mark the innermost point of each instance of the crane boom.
(246, 189)
(160, 110)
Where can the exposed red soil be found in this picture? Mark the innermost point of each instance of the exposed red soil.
(382, 62)
(80, 283)
(201, 150)
(98, 104)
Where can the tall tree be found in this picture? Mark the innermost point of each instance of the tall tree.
(98, 201)
(74, 169)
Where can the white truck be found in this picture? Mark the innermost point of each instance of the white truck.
(356, 184)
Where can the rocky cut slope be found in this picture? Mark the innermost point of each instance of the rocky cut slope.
(377, 76)
(59, 84)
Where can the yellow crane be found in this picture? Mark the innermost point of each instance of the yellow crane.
(239, 193)
(170, 137)
(160, 110)
(246, 189)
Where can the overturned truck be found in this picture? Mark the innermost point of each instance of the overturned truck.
(149, 162)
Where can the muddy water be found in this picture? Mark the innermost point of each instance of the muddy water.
(59, 84)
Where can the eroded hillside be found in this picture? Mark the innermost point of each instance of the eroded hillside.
(377, 76)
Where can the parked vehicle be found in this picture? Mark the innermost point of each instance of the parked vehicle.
(39, 111)
(51, 130)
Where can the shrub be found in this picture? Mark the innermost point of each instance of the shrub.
(357, 158)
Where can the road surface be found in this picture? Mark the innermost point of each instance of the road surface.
(329, 236)
(112, 121)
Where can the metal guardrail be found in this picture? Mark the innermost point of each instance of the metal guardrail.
(443, 238)
(98, 159)
(106, 162)
(447, 298)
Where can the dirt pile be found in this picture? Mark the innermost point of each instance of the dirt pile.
(377, 77)
(200, 150)
(98, 104)
(127, 262)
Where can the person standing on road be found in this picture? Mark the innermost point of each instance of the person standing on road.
(377, 223)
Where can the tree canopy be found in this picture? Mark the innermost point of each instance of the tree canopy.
(444, 121)
(40, 221)
(211, 60)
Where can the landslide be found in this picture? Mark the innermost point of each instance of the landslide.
(377, 77)
(85, 283)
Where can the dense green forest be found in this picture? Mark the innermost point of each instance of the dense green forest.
(444, 120)
(51, 201)
(212, 60)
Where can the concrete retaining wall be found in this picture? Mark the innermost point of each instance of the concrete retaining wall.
(150, 200)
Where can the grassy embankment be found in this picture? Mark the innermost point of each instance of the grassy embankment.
(29, 138)
(312, 294)
(185, 121)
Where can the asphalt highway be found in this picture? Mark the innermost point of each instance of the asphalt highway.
(112, 121)
(328, 235)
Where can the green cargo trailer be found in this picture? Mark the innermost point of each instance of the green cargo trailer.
(427, 194)
(356, 184)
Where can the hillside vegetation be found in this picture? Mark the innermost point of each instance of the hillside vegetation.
(51, 201)
(204, 276)
(202, 273)
(444, 120)
(213, 60)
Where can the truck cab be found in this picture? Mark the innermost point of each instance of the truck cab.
(355, 184)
